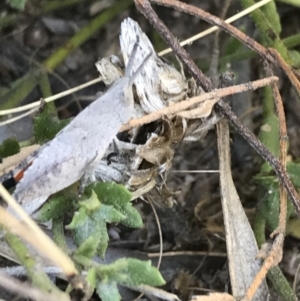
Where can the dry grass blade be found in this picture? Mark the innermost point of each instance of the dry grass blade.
(283, 136)
(215, 28)
(36, 236)
(36, 104)
(286, 68)
(240, 241)
(183, 105)
(213, 297)
(25, 290)
(274, 255)
(152, 291)
(146, 9)
(12, 161)
(213, 20)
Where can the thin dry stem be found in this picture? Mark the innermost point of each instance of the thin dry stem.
(25, 290)
(286, 68)
(36, 104)
(40, 240)
(275, 254)
(283, 141)
(183, 105)
(213, 20)
(274, 257)
(145, 8)
(214, 28)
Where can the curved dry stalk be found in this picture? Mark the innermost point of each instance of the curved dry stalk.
(39, 239)
(36, 104)
(145, 8)
(215, 28)
(25, 290)
(183, 105)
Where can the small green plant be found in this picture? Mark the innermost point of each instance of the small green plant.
(18, 4)
(102, 203)
(46, 126)
(9, 147)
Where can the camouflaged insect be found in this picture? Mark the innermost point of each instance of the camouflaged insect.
(80, 146)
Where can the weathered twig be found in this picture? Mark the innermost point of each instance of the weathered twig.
(146, 9)
(213, 20)
(183, 105)
(286, 68)
(283, 141)
(25, 290)
(275, 255)
(38, 238)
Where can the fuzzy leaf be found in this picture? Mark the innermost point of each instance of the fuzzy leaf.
(9, 147)
(56, 207)
(113, 272)
(80, 217)
(108, 291)
(133, 218)
(142, 272)
(119, 197)
(270, 206)
(18, 4)
(112, 194)
(269, 136)
(103, 239)
(295, 56)
(91, 277)
(233, 45)
(88, 248)
(91, 204)
(108, 214)
(46, 126)
(272, 16)
(294, 172)
(85, 229)
(132, 272)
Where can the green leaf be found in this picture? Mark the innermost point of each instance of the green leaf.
(9, 147)
(265, 180)
(108, 214)
(293, 169)
(142, 272)
(119, 197)
(270, 12)
(111, 193)
(88, 248)
(103, 239)
(295, 56)
(94, 231)
(269, 134)
(270, 207)
(56, 207)
(233, 45)
(46, 126)
(133, 218)
(132, 272)
(113, 272)
(108, 291)
(80, 217)
(91, 204)
(18, 4)
(91, 277)
(88, 228)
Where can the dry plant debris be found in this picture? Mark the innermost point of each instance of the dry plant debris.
(169, 109)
